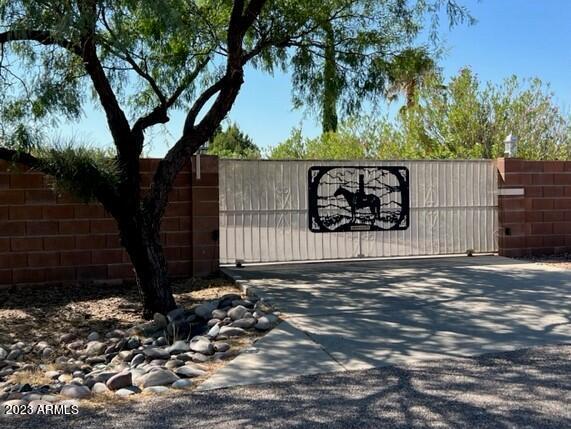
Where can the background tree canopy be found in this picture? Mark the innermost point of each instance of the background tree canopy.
(462, 118)
(233, 143)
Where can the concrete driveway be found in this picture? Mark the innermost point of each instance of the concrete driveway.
(367, 314)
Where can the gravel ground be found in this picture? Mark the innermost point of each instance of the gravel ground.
(528, 388)
(559, 261)
(30, 315)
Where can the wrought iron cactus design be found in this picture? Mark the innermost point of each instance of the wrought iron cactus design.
(358, 199)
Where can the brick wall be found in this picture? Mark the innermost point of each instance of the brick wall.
(537, 222)
(48, 237)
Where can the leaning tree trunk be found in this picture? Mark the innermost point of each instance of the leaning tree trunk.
(141, 239)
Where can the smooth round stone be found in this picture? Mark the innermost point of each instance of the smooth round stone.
(40, 346)
(65, 378)
(177, 347)
(214, 331)
(221, 347)
(103, 376)
(161, 341)
(73, 391)
(218, 314)
(133, 343)
(156, 390)
(176, 314)
(137, 374)
(237, 312)
(119, 381)
(263, 324)
(244, 323)
(189, 372)
(99, 389)
(213, 322)
(202, 345)
(15, 355)
(47, 353)
(230, 331)
(173, 363)
(116, 333)
(205, 310)
(243, 302)
(95, 348)
(160, 320)
(156, 353)
(125, 392)
(222, 355)
(49, 398)
(182, 384)
(158, 362)
(68, 403)
(12, 403)
(94, 360)
(199, 357)
(126, 355)
(93, 336)
(137, 360)
(66, 338)
(38, 403)
(160, 377)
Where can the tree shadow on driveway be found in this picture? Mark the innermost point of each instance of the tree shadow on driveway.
(525, 388)
(376, 313)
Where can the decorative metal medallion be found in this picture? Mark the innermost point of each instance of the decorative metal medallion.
(358, 199)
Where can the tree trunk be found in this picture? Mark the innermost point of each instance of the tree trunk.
(142, 242)
(330, 83)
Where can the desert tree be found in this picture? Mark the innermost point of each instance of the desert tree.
(139, 60)
(366, 52)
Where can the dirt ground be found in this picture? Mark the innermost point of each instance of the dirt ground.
(560, 261)
(32, 314)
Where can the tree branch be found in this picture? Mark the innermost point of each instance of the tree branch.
(227, 89)
(116, 118)
(200, 102)
(159, 114)
(40, 36)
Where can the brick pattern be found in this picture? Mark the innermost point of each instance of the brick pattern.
(205, 219)
(46, 237)
(538, 222)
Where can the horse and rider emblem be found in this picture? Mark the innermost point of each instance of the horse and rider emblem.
(358, 199)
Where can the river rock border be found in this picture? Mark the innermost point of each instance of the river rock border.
(156, 356)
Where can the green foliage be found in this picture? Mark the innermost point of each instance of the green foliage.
(79, 170)
(330, 145)
(293, 147)
(468, 119)
(408, 71)
(461, 119)
(233, 143)
(361, 49)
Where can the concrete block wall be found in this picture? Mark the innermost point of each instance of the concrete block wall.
(534, 206)
(47, 237)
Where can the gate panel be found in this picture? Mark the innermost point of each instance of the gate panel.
(264, 212)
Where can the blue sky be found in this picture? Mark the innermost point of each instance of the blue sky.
(524, 37)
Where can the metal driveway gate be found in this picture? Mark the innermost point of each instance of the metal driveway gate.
(451, 206)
